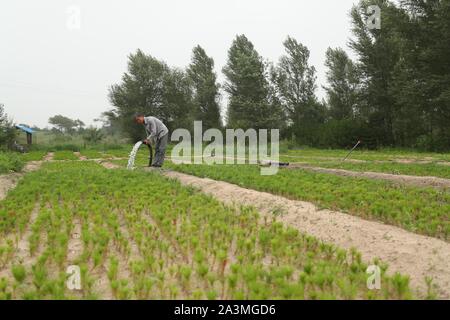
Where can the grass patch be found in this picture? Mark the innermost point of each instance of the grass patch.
(431, 169)
(33, 156)
(382, 155)
(65, 155)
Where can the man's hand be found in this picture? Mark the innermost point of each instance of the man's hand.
(146, 141)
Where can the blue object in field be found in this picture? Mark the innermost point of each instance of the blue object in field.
(26, 129)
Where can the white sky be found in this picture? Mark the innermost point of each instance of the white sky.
(47, 68)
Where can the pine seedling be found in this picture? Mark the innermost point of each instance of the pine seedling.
(39, 275)
(202, 270)
(19, 273)
(223, 259)
(113, 268)
(173, 292)
(211, 295)
(114, 287)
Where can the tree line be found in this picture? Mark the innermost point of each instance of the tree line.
(396, 93)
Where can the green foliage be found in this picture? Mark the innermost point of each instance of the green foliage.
(413, 169)
(343, 84)
(19, 273)
(33, 156)
(65, 155)
(403, 71)
(386, 154)
(295, 84)
(10, 162)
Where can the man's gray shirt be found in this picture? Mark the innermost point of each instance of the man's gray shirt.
(155, 128)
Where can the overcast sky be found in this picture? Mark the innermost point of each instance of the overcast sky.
(50, 64)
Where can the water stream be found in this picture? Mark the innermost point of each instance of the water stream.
(133, 154)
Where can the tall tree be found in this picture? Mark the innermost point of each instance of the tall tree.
(342, 86)
(423, 79)
(206, 90)
(295, 82)
(152, 88)
(177, 100)
(378, 51)
(249, 105)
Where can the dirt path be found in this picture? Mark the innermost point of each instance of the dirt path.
(108, 165)
(78, 154)
(49, 156)
(396, 178)
(412, 254)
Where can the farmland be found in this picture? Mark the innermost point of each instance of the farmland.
(174, 243)
(144, 235)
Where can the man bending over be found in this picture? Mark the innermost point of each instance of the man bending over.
(157, 135)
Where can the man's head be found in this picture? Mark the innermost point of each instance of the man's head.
(139, 118)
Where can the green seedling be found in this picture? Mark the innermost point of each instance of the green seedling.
(228, 252)
(19, 272)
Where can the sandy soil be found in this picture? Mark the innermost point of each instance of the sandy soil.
(412, 254)
(396, 178)
(49, 156)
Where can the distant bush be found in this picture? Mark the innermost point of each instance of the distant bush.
(10, 162)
